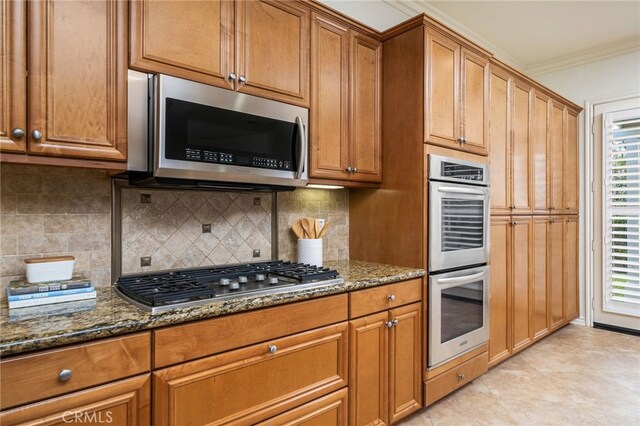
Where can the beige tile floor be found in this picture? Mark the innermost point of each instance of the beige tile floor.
(577, 376)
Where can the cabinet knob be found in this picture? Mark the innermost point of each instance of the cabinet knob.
(232, 77)
(242, 79)
(17, 133)
(391, 297)
(355, 170)
(461, 140)
(273, 349)
(37, 134)
(389, 324)
(64, 375)
(461, 376)
(394, 322)
(349, 169)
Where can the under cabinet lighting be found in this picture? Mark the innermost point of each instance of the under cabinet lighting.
(319, 186)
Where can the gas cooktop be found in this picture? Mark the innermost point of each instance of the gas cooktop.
(163, 291)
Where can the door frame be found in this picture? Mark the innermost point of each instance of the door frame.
(588, 245)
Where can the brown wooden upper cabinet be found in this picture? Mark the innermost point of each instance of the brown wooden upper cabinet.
(557, 132)
(539, 153)
(259, 47)
(456, 110)
(571, 162)
(76, 57)
(345, 103)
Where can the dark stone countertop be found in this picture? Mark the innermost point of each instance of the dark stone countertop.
(48, 326)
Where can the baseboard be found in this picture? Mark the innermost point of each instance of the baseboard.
(579, 321)
(616, 329)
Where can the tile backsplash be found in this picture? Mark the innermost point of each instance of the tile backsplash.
(185, 229)
(50, 211)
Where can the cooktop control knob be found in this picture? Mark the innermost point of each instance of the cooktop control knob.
(235, 285)
(242, 279)
(273, 280)
(224, 281)
(259, 277)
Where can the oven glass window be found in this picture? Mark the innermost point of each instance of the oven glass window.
(462, 222)
(205, 133)
(461, 310)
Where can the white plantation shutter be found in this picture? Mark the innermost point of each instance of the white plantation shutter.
(621, 212)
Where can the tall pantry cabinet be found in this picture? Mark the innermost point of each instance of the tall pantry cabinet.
(533, 154)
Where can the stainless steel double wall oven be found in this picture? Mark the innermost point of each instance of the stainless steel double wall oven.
(458, 318)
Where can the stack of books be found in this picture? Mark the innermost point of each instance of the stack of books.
(22, 293)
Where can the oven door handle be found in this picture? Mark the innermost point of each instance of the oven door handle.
(302, 148)
(457, 190)
(461, 280)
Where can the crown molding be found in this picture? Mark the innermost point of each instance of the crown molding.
(416, 7)
(586, 56)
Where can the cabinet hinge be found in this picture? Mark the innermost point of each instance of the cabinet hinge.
(593, 304)
(593, 245)
(592, 187)
(593, 128)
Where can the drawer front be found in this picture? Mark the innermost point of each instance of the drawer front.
(377, 299)
(447, 382)
(34, 377)
(255, 383)
(330, 410)
(125, 402)
(182, 343)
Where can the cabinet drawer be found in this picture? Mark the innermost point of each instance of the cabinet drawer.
(33, 377)
(447, 382)
(326, 411)
(252, 384)
(187, 342)
(125, 402)
(377, 299)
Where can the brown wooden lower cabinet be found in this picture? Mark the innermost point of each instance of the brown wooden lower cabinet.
(126, 402)
(326, 411)
(455, 377)
(252, 384)
(556, 243)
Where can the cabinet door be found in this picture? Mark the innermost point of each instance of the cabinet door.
(254, 383)
(273, 50)
(521, 283)
(540, 277)
(442, 121)
(556, 148)
(329, 124)
(126, 402)
(366, 156)
(325, 411)
(500, 301)
(556, 237)
(474, 115)
(500, 140)
(188, 39)
(570, 267)
(539, 139)
(522, 99)
(77, 79)
(405, 372)
(571, 163)
(368, 370)
(13, 76)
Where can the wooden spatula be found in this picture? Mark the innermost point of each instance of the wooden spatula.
(324, 229)
(298, 229)
(308, 228)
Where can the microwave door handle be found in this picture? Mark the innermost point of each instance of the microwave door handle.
(456, 190)
(302, 148)
(451, 282)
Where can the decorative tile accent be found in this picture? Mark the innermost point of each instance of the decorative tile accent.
(169, 228)
(329, 204)
(55, 211)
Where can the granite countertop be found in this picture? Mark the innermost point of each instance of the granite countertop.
(40, 327)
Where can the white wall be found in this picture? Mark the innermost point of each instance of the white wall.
(608, 78)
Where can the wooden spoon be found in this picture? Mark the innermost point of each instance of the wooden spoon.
(298, 229)
(316, 223)
(324, 229)
(308, 228)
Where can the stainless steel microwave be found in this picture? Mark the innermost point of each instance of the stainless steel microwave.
(183, 133)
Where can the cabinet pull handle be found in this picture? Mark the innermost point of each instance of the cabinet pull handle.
(389, 324)
(232, 77)
(242, 79)
(64, 375)
(461, 376)
(273, 349)
(391, 297)
(17, 133)
(37, 134)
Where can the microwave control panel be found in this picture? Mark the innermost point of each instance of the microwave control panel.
(204, 155)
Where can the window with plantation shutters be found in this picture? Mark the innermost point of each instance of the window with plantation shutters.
(621, 212)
